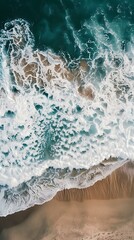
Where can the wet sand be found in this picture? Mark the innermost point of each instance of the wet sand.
(102, 211)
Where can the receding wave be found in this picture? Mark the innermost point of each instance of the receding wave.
(54, 119)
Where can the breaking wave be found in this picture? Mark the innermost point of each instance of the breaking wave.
(47, 128)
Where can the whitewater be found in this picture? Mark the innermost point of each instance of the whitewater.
(48, 130)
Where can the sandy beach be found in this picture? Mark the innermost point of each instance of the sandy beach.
(102, 211)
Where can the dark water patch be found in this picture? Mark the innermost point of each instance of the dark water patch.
(57, 24)
(2, 127)
(38, 107)
(9, 114)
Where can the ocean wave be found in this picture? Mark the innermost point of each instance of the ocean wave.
(47, 121)
(40, 189)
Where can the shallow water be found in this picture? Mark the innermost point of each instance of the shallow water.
(48, 130)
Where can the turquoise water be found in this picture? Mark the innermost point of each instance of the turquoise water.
(63, 21)
(47, 129)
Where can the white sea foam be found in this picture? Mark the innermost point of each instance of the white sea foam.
(56, 127)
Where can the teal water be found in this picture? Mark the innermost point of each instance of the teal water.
(62, 20)
(47, 129)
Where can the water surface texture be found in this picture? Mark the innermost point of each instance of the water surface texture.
(50, 134)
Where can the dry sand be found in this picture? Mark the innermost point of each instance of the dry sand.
(103, 211)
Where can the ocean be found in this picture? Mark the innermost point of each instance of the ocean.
(66, 96)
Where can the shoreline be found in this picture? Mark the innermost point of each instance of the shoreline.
(106, 209)
(118, 184)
